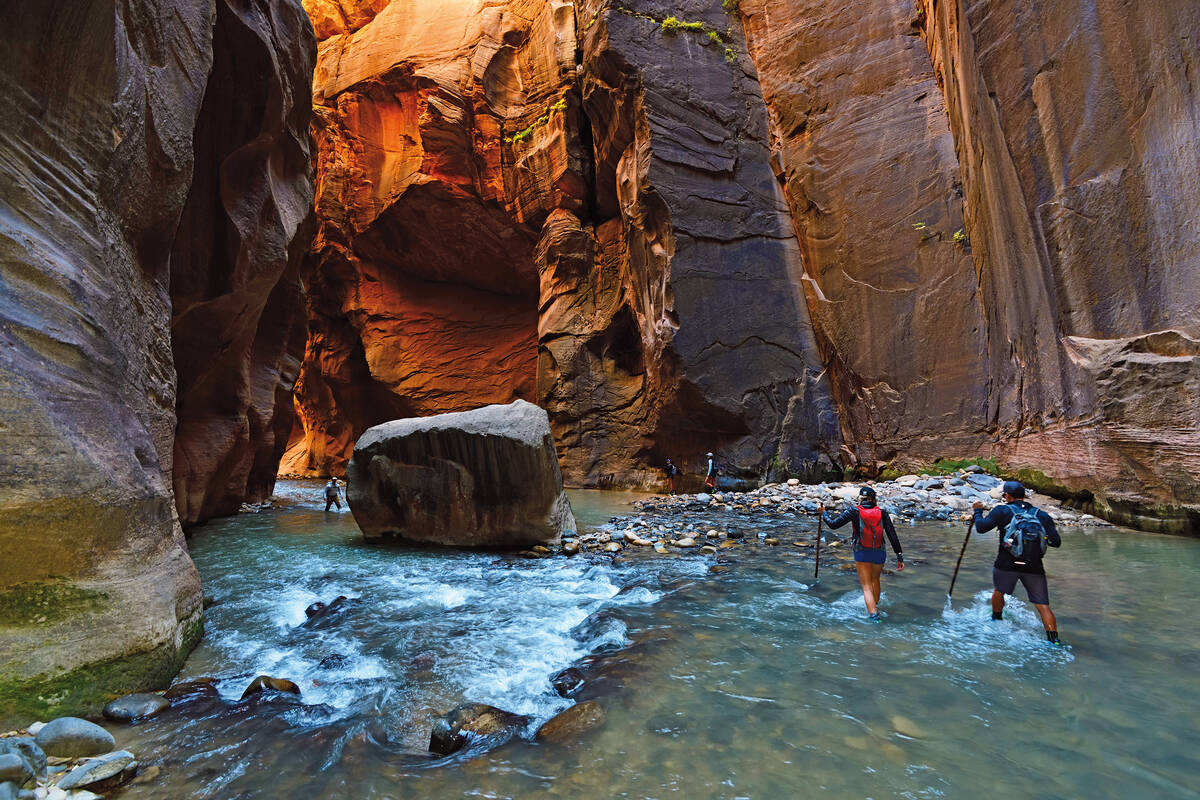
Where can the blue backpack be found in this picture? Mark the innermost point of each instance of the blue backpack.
(1026, 536)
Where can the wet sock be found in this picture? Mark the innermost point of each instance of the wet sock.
(997, 615)
(1052, 637)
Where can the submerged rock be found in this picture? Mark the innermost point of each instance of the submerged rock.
(135, 706)
(266, 682)
(568, 681)
(571, 723)
(481, 478)
(189, 690)
(474, 724)
(71, 737)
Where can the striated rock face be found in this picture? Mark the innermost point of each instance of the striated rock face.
(238, 327)
(499, 221)
(151, 228)
(422, 289)
(1076, 129)
(98, 109)
(482, 478)
(711, 328)
(867, 160)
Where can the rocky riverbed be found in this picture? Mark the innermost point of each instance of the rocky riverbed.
(676, 523)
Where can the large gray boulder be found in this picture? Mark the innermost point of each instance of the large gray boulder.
(482, 478)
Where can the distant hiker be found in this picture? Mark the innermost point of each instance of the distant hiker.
(710, 477)
(671, 471)
(332, 494)
(870, 523)
(1025, 530)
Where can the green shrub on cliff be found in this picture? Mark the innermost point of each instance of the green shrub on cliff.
(730, 6)
(673, 25)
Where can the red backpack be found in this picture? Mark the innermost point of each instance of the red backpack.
(871, 537)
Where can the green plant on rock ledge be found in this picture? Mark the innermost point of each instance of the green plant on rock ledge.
(730, 6)
(674, 25)
(522, 135)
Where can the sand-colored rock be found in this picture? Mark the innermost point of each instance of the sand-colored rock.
(144, 232)
(488, 477)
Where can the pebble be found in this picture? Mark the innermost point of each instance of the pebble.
(73, 737)
(612, 547)
(708, 549)
(686, 541)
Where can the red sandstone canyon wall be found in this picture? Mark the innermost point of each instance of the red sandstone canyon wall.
(1058, 332)
(501, 217)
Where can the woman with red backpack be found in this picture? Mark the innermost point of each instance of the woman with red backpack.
(870, 524)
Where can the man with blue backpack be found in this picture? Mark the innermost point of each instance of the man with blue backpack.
(1025, 531)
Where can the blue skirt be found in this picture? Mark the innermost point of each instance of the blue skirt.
(871, 556)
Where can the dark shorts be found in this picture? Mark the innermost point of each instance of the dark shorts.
(1035, 585)
(870, 556)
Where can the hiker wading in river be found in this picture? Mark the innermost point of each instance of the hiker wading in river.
(870, 523)
(333, 495)
(1025, 531)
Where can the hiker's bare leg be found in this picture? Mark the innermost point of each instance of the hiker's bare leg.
(866, 580)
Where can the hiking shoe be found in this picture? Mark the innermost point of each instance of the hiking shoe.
(997, 616)
(875, 617)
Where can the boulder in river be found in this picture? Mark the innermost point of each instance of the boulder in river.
(71, 737)
(193, 689)
(571, 723)
(568, 681)
(482, 478)
(135, 706)
(476, 724)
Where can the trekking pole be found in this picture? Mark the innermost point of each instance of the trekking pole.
(817, 566)
(950, 591)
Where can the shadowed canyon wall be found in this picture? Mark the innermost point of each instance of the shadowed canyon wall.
(982, 207)
(104, 113)
(514, 207)
(1077, 126)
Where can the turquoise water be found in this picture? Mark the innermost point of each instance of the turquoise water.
(746, 682)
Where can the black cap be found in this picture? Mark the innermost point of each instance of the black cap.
(1014, 489)
(866, 491)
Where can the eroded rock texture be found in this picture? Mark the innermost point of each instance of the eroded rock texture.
(1076, 129)
(488, 477)
(97, 111)
(422, 289)
(238, 326)
(867, 160)
(712, 318)
(492, 210)
(122, 278)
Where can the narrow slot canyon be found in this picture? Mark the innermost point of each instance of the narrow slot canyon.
(821, 241)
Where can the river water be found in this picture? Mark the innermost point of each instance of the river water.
(748, 681)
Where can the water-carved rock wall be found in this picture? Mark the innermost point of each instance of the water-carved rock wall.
(238, 326)
(1000, 262)
(1076, 129)
(104, 119)
(541, 213)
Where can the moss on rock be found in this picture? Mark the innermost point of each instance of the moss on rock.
(84, 691)
(41, 602)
